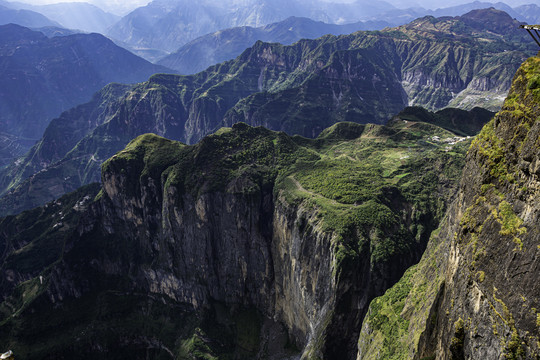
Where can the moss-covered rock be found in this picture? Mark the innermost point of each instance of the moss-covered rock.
(483, 296)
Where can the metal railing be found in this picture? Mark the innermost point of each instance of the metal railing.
(533, 30)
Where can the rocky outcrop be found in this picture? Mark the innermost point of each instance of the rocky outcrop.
(477, 281)
(492, 269)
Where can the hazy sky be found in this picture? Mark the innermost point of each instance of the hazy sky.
(129, 3)
(431, 4)
(120, 7)
(124, 6)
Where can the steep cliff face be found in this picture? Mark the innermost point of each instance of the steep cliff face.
(349, 87)
(491, 278)
(478, 279)
(250, 243)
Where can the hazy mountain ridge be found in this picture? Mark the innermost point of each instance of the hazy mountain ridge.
(530, 13)
(166, 26)
(63, 134)
(74, 15)
(52, 31)
(24, 17)
(280, 87)
(43, 76)
(227, 44)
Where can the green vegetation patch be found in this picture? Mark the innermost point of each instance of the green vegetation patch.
(510, 222)
(156, 154)
(531, 69)
(196, 348)
(385, 318)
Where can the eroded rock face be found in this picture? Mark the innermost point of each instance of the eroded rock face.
(475, 293)
(235, 247)
(230, 247)
(303, 260)
(489, 309)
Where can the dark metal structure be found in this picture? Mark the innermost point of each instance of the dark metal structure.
(533, 31)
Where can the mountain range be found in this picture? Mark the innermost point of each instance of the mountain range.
(227, 44)
(252, 241)
(342, 197)
(165, 26)
(23, 17)
(300, 89)
(73, 15)
(41, 77)
(78, 16)
(256, 244)
(528, 13)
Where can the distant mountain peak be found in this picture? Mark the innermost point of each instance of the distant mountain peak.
(491, 19)
(13, 33)
(486, 23)
(488, 13)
